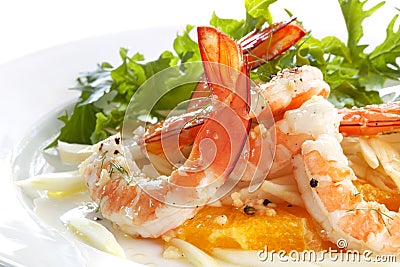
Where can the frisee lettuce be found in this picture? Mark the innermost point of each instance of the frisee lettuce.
(353, 74)
(106, 92)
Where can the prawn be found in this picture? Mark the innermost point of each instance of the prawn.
(325, 182)
(260, 155)
(286, 90)
(260, 46)
(146, 207)
(292, 86)
(354, 122)
(371, 119)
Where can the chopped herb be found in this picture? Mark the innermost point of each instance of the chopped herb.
(111, 171)
(98, 208)
(119, 167)
(103, 156)
(124, 173)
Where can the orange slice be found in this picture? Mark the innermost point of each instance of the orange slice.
(373, 193)
(288, 228)
(285, 228)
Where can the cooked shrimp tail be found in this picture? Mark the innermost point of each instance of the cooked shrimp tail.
(371, 119)
(260, 46)
(267, 44)
(148, 207)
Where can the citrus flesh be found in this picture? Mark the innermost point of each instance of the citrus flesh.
(288, 228)
(373, 193)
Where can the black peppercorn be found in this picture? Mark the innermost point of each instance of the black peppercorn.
(313, 183)
(266, 202)
(249, 210)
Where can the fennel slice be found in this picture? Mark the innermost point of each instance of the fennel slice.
(194, 255)
(95, 235)
(69, 181)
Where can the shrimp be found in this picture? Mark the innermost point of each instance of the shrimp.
(260, 155)
(141, 206)
(259, 46)
(287, 90)
(355, 122)
(371, 119)
(314, 118)
(294, 128)
(290, 88)
(325, 182)
(295, 86)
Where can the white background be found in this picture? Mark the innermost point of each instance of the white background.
(30, 29)
(27, 26)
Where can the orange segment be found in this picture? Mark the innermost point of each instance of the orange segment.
(290, 228)
(373, 193)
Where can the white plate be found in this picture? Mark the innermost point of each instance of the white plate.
(35, 87)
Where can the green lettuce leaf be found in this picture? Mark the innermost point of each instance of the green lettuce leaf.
(384, 58)
(107, 91)
(257, 8)
(257, 16)
(353, 74)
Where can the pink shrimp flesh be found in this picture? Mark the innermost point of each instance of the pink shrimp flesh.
(148, 207)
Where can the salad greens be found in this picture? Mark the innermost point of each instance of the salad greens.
(353, 74)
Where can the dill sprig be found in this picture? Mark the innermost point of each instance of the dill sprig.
(380, 213)
(103, 156)
(124, 173)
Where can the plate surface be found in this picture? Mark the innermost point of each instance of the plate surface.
(38, 83)
(34, 89)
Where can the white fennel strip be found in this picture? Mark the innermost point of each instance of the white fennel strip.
(193, 254)
(95, 234)
(70, 181)
(74, 154)
(389, 158)
(288, 193)
(368, 153)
